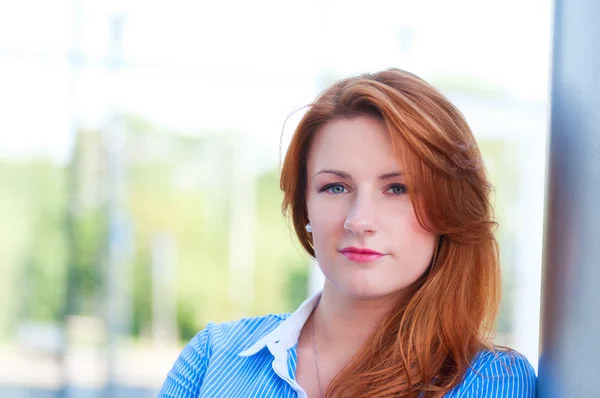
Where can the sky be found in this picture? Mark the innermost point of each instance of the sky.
(242, 66)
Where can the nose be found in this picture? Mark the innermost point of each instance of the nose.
(361, 218)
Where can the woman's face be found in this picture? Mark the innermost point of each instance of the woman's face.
(357, 201)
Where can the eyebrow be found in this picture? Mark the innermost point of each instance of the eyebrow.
(346, 176)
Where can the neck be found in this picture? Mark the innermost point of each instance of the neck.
(344, 322)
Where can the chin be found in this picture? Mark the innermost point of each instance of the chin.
(363, 291)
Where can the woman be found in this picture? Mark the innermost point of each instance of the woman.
(386, 188)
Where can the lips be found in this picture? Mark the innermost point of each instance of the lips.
(361, 255)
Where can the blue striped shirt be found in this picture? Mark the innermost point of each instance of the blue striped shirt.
(256, 357)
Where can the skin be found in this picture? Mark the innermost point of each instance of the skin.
(356, 196)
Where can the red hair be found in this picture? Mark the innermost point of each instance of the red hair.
(427, 342)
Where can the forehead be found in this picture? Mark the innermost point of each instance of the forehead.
(360, 144)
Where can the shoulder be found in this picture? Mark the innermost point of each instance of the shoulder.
(498, 374)
(216, 342)
(235, 333)
(235, 336)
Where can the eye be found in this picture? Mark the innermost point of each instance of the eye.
(333, 188)
(397, 189)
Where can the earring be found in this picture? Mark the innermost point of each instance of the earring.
(308, 228)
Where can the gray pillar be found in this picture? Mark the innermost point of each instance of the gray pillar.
(570, 336)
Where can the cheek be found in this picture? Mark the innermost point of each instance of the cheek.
(422, 238)
(325, 214)
(327, 221)
(415, 239)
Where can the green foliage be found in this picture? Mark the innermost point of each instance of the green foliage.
(172, 190)
(182, 186)
(85, 224)
(32, 241)
(282, 266)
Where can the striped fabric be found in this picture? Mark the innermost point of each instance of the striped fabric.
(256, 357)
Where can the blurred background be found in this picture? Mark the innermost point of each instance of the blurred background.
(139, 156)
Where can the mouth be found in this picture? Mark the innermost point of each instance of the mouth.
(361, 255)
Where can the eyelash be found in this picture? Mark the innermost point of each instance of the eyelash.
(329, 186)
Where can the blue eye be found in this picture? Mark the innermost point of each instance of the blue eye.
(333, 188)
(398, 189)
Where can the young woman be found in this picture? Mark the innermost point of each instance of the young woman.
(386, 188)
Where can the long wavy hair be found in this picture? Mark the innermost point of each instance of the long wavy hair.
(426, 344)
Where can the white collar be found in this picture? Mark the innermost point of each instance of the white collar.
(287, 332)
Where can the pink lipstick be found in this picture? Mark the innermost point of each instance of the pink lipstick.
(360, 255)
